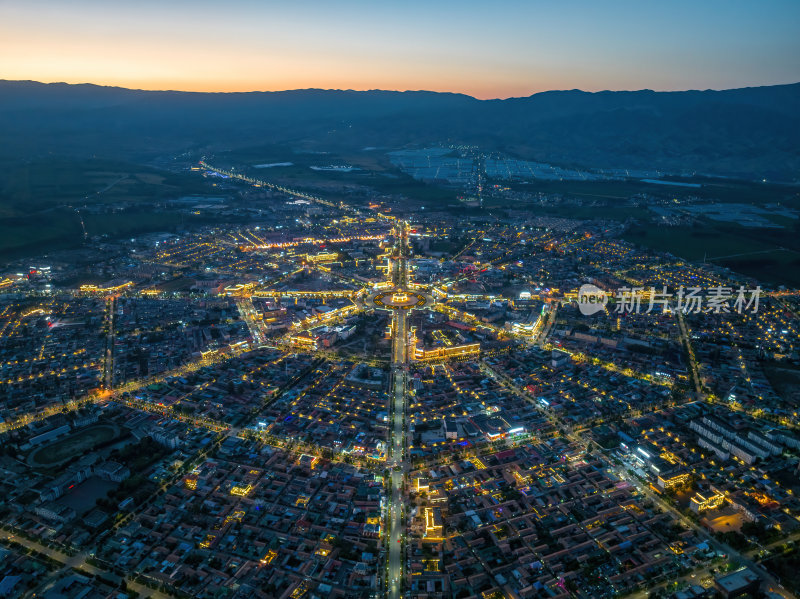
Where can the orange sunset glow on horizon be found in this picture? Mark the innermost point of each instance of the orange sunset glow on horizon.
(511, 49)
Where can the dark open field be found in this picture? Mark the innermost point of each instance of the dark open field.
(713, 189)
(44, 185)
(72, 445)
(375, 172)
(38, 202)
(785, 379)
(769, 255)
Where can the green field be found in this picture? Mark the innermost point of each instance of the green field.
(39, 186)
(377, 172)
(38, 202)
(61, 229)
(128, 223)
(769, 255)
(20, 236)
(73, 445)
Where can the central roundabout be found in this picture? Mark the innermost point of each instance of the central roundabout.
(398, 299)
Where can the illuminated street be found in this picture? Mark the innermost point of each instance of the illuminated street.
(397, 461)
(347, 398)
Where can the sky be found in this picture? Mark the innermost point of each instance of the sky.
(489, 49)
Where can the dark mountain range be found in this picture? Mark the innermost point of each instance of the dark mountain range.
(749, 132)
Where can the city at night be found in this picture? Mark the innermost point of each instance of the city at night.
(444, 300)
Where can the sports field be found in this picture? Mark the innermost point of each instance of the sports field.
(72, 445)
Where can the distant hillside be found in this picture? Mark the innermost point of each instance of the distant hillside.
(749, 132)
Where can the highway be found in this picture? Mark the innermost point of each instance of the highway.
(286, 190)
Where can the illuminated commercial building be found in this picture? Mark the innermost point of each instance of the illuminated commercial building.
(443, 353)
(671, 481)
(241, 491)
(706, 501)
(114, 286)
(322, 257)
(433, 525)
